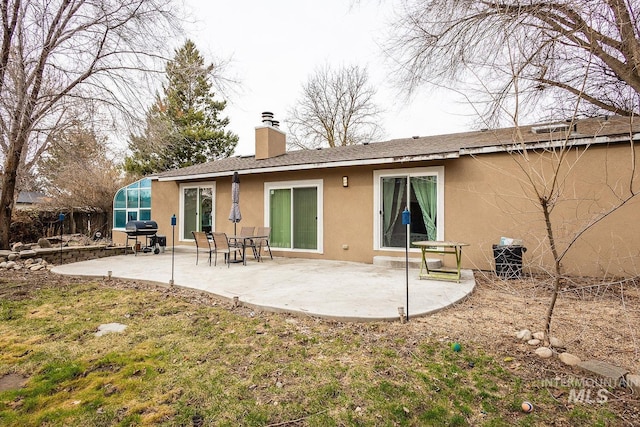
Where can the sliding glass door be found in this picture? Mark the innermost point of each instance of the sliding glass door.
(294, 215)
(419, 191)
(196, 209)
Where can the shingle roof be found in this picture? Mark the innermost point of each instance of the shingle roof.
(30, 197)
(408, 149)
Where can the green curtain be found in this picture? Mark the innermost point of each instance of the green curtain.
(305, 218)
(392, 190)
(280, 218)
(425, 189)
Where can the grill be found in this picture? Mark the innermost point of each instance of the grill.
(146, 229)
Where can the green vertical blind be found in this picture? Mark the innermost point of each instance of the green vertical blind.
(305, 218)
(293, 214)
(280, 217)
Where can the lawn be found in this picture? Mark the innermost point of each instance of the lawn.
(188, 359)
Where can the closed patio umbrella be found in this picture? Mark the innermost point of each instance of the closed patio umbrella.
(235, 216)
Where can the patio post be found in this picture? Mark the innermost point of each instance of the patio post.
(173, 244)
(61, 219)
(406, 220)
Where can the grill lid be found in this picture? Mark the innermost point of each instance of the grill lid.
(141, 227)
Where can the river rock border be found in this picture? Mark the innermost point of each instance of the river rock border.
(613, 374)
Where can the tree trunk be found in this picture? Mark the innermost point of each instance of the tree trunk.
(557, 273)
(7, 196)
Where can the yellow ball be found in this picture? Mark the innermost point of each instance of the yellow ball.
(527, 407)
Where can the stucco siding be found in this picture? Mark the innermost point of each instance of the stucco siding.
(485, 197)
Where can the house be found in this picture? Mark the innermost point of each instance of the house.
(30, 199)
(345, 203)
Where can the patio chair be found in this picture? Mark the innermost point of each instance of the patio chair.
(221, 245)
(241, 239)
(263, 241)
(202, 244)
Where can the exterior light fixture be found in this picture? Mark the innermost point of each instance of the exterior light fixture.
(345, 181)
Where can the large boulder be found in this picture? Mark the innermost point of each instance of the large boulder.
(44, 243)
(19, 246)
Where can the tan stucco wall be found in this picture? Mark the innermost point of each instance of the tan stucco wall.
(489, 196)
(486, 197)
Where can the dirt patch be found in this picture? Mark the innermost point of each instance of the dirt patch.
(12, 382)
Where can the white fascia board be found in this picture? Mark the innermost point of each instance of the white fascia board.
(308, 166)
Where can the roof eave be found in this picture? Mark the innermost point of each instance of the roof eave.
(317, 165)
(545, 145)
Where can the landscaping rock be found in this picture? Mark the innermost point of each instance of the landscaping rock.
(3, 264)
(605, 370)
(544, 352)
(538, 335)
(633, 382)
(13, 257)
(36, 267)
(533, 342)
(10, 264)
(44, 243)
(109, 328)
(27, 252)
(555, 342)
(569, 359)
(18, 246)
(524, 335)
(17, 267)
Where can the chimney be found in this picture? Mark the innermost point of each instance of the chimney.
(270, 140)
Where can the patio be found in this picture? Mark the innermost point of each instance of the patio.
(337, 290)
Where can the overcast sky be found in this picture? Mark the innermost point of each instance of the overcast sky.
(274, 46)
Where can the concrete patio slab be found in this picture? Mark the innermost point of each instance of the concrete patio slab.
(338, 290)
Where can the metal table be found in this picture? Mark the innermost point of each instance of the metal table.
(244, 240)
(440, 248)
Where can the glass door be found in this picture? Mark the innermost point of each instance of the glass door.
(197, 209)
(294, 218)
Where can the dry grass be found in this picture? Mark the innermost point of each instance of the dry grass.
(188, 358)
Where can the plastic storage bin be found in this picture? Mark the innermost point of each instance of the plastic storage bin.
(508, 259)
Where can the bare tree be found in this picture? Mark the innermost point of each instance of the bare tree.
(336, 108)
(537, 49)
(56, 53)
(569, 59)
(78, 170)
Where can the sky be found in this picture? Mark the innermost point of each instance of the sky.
(273, 47)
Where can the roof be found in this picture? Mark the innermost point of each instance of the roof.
(30, 197)
(583, 132)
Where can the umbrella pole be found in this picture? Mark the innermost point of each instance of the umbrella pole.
(235, 253)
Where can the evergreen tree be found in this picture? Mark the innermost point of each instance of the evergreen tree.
(183, 126)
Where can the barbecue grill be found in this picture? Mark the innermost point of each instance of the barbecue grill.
(146, 229)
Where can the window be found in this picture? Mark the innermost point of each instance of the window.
(196, 208)
(294, 213)
(132, 203)
(421, 190)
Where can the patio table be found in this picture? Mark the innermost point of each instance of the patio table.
(244, 240)
(440, 248)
